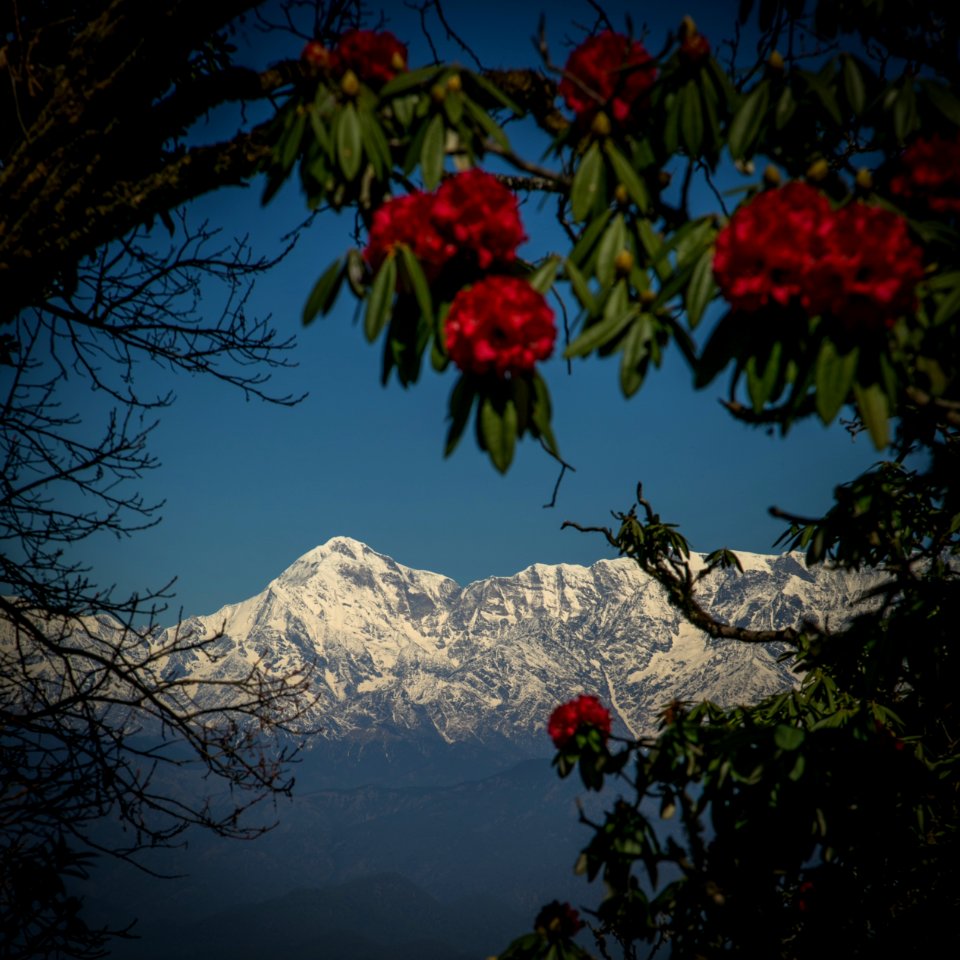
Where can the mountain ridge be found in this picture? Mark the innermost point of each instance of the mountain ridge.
(397, 651)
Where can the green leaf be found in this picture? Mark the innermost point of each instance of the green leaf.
(375, 144)
(834, 378)
(418, 282)
(542, 279)
(461, 403)
(635, 352)
(625, 174)
(617, 313)
(486, 123)
(947, 307)
(701, 288)
(381, 299)
(404, 107)
(671, 123)
(656, 250)
(432, 153)
(785, 108)
(356, 272)
(613, 241)
(321, 131)
(498, 430)
(540, 414)
(586, 183)
(943, 100)
(453, 106)
(872, 404)
(788, 738)
(581, 288)
(762, 376)
(289, 146)
(853, 85)
(491, 90)
(409, 79)
(349, 141)
(745, 126)
(691, 118)
(583, 246)
(324, 292)
(905, 111)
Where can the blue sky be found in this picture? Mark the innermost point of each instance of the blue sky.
(249, 487)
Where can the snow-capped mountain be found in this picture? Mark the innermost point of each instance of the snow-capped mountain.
(396, 651)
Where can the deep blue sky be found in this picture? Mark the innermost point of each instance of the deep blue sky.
(249, 487)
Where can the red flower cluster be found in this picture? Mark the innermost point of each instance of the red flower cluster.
(582, 711)
(931, 174)
(558, 921)
(409, 220)
(499, 325)
(472, 215)
(481, 215)
(607, 72)
(376, 57)
(788, 247)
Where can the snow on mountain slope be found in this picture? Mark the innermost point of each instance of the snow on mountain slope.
(397, 650)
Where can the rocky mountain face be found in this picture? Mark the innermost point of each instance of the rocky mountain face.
(397, 652)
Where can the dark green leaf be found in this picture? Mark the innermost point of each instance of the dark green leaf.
(432, 155)
(491, 90)
(411, 78)
(762, 376)
(453, 106)
(461, 403)
(540, 414)
(786, 106)
(691, 118)
(498, 428)
(324, 292)
(404, 107)
(872, 404)
(625, 174)
(418, 282)
(905, 111)
(375, 144)
(586, 183)
(542, 279)
(581, 288)
(617, 313)
(486, 123)
(613, 241)
(746, 123)
(943, 100)
(655, 249)
(635, 352)
(788, 738)
(381, 299)
(834, 379)
(582, 248)
(701, 288)
(853, 85)
(349, 141)
(289, 146)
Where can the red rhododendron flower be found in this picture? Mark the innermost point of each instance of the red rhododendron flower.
(788, 247)
(499, 325)
(607, 72)
(558, 921)
(409, 220)
(481, 215)
(376, 57)
(867, 270)
(930, 173)
(764, 252)
(582, 711)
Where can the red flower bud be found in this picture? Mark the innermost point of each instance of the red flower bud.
(930, 174)
(695, 48)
